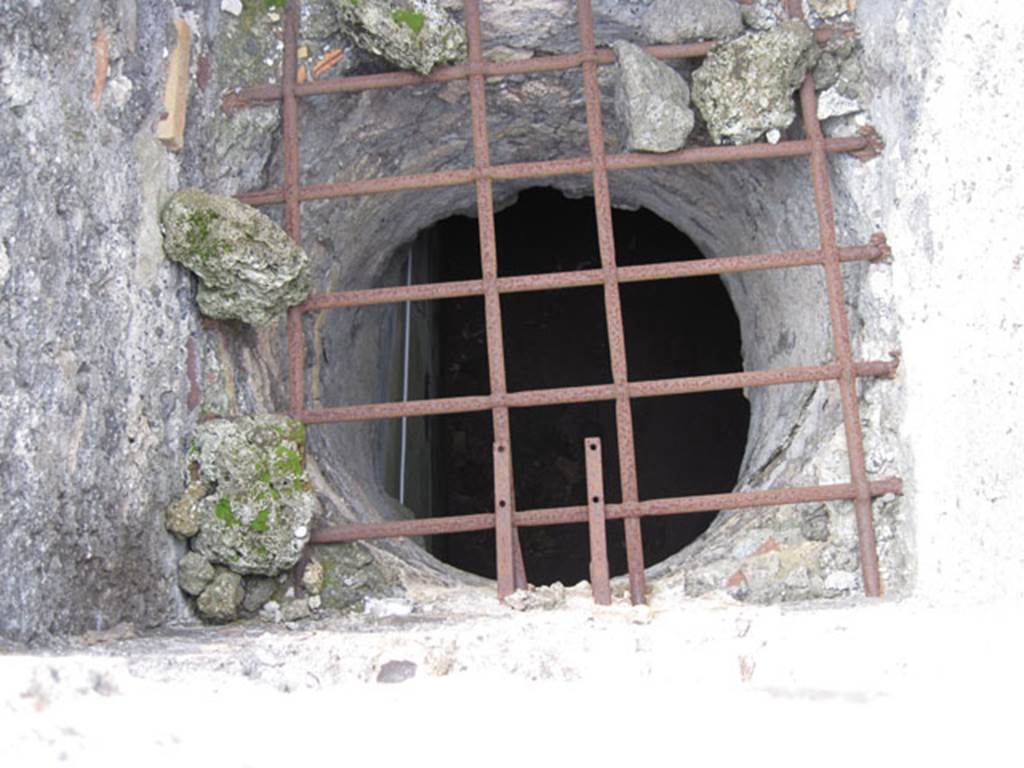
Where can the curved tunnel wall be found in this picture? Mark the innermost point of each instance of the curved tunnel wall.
(795, 435)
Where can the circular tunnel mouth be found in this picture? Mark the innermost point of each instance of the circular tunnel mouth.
(690, 444)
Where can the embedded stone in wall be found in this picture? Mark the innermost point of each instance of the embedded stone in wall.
(221, 600)
(763, 14)
(670, 21)
(194, 573)
(839, 73)
(256, 516)
(745, 87)
(181, 516)
(830, 8)
(248, 267)
(651, 100)
(414, 34)
(351, 573)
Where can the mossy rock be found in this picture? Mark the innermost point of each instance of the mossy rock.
(221, 600)
(413, 34)
(256, 518)
(745, 87)
(351, 573)
(248, 267)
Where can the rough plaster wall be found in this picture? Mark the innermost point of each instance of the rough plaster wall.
(95, 322)
(94, 387)
(948, 194)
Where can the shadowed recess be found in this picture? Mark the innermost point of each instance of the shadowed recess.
(685, 445)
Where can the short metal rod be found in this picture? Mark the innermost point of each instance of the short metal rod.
(600, 582)
(504, 549)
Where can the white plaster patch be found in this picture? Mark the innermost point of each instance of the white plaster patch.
(119, 90)
(5, 265)
(841, 581)
(832, 103)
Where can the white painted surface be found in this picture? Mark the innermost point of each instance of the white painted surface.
(893, 683)
(949, 103)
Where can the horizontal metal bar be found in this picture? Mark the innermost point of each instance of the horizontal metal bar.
(428, 526)
(536, 64)
(578, 514)
(590, 277)
(594, 393)
(551, 168)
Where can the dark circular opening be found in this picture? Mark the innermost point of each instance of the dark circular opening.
(685, 445)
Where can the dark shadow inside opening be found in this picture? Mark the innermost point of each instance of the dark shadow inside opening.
(690, 444)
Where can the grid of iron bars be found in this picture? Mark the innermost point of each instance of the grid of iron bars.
(506, 519)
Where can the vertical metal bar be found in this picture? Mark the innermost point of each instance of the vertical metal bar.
(613, 306)
(503, 518)
(489, 265)
(292, 220)
(599, 579)
(840, 333)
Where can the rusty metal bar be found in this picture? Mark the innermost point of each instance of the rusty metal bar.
(292, 214)
(816, 494)
(536, 64)
(599, 577)
(489, 271)
(429, 526)
(551, 168)
(685, 385)
(840, 333)
(612, 304)
(591, 277)
(503, 530)
(841, 342)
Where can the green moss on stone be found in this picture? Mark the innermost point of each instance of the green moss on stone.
(409, 18)
(288, 461)
(224, 513)
(261, 522)
(261, 495)
(199, 237)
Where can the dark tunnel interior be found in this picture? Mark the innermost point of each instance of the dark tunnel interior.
(689, 444)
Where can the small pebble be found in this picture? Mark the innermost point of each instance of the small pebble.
(396, 671)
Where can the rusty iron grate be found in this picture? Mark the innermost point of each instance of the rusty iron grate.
(505, 519)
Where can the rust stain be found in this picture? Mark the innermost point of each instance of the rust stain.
(195, 395)
(747, 666)
(102, 48)
(736, 579)
(769, 546)
(203, 72)
(326, 62)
